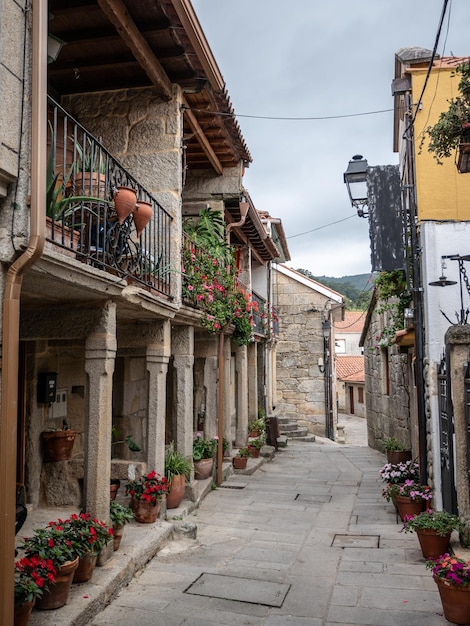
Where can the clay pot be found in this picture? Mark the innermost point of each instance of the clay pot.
(118, 532)
(254, 452)
(203, 468)
(144, 512)
(407, 506)
(58, 444)
(455, 602)
(432, 544)
(114, 488)
(85, 569)
(239, 462)
(124, 202)
(178, 486)
(23, 612)
(58, 593)
(398, 456)
(142, 215)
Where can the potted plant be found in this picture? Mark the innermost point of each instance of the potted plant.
(409, 498)
(396, 452)
(203, 455)
(54, 543)
(90, 168)
(433, 529)
(392, 473)
(177, 470)
(58, 443)
(89, 536)
(33, 575)
(254, 447)
(452, 577)
(120, 515)
(240, 460)
(256, 427)
(451, 130)
(146, 493)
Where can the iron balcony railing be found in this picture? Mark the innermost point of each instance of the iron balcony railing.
(82, 179)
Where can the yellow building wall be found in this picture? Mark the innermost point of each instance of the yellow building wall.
(443, 194)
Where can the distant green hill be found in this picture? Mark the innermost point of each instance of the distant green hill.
(356, 288)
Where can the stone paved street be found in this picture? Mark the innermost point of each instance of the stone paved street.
(306, 540)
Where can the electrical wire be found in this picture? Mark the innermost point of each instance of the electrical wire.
(291, 119)
(324, 226)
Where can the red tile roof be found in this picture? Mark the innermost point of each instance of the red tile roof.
(350, 368)
(353, 322)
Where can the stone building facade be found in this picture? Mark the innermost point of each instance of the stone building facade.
(306, 381)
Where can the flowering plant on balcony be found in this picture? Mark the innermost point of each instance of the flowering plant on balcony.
(149, 488)
(210, 279)
(32, 577)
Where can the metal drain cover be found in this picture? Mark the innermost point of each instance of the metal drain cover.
(239, 589)
(232, 484)
(356, 541)
(306, 497)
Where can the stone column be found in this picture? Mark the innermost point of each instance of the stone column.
(458, 339)
(224, 386)
(100, 354)
(157, 358)
(241, 367)
(183, 352)
(210, 383)
(252, 381)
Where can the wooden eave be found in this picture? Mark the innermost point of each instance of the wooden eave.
(130, 44)
(252, 233)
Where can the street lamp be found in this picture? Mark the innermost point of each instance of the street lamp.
(355, 178)
(326, 328)
(443, 281)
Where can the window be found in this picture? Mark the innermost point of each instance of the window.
(360, 395)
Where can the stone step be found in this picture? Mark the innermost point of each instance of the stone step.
(294, 434)
(285, 428)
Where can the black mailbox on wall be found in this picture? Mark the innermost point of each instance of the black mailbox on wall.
(47, 387)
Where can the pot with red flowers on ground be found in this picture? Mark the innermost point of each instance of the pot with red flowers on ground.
(254, 446)
(146, 493)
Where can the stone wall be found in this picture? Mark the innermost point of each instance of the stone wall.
(300, 384)
(388, 414)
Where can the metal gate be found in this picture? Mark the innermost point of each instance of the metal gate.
(466, 390)
(446, 433)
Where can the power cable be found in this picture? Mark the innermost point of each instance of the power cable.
(291, 119)
(324, 226)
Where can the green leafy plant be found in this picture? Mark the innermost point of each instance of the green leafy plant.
(204, 448)
(257, 425)
(53, 543)
(453, 125)
(120, 514)
(117, 438)
(257, 443)
(451, 569)
(90, 157)
(440, 521)
(149, 488)
(176, 463)
(243, 453)
(394, 298)
(393, 445)
(33, 575)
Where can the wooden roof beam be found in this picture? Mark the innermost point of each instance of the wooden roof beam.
(118, 15)
(202, 139)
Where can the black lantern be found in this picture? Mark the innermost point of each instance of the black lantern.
(355, 178)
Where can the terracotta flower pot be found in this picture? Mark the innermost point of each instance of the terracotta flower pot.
(23, 612)
(144, 512)
(254, 452)
(114, 488)
(118, 532)
(58, 593)
(85, 569)
(58, 444)
(177, 488)
(407, 506)
(432, 544)
(142, 215)
(455, 602)
(203, 468)
(398, 456)
(239, 462)
(124, 202)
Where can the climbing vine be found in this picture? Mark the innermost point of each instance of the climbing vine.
(393, 297)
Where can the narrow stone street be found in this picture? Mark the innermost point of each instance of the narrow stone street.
(306, 540)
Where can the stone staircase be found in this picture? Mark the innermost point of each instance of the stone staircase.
(292, 430)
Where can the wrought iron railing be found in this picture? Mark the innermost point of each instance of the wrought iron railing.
(82, 179)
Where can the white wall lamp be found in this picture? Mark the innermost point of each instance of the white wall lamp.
(321, 365)
(355, 178)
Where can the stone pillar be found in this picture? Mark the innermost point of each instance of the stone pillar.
(158, 355)
(100, 354)
(183, 353)
(252, 380)
(241, 366)
(210, 383)
(224, 386)
(458, 340)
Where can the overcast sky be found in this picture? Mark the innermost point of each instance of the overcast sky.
(307, 58)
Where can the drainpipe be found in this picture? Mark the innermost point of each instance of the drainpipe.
(244, 206)
(11, 312)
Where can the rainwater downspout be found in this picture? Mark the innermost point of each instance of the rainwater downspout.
(244, 206)
(11, 312)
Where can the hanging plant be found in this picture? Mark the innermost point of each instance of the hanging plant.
(394, 298)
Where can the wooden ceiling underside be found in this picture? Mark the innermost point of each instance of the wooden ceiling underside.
(122, 44)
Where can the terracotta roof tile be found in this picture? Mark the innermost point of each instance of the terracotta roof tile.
(350, 368)
(353, 322)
